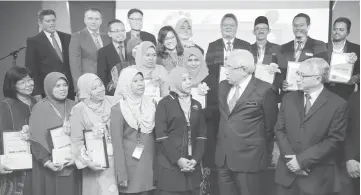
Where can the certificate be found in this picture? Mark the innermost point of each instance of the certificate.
(96, 148)
(17, 161)
(114, 74)
(152, 89)
(340, 69)
(292, 76)
(59, 138)
(262, 73)
(13, 144)
(61, 155)
(200, 98)
(222, 73)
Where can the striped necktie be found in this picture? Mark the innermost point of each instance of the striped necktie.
(56, 46)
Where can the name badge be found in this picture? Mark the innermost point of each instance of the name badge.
(309, 54)
(252, 103)
(138, 151)
(110, 149)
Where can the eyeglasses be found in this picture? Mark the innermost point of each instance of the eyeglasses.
(263, 29)
(136, 19)
(302, 76)
(25, 81)
(117, 31)
(169, 38)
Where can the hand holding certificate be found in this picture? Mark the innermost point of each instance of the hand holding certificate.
(292, 76)
(96, 148)
(17, 161)
(61, 145)
(340, 68)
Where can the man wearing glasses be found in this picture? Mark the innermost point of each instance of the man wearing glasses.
(248, 108)
(84, 46)
(310, 129)
(112, 58)
(135, 19)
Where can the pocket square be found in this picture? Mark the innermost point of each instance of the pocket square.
(251, 103)
(309, 54)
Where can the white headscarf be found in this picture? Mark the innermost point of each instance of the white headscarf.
(138, 111)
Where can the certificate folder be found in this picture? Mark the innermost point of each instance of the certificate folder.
(96, 148)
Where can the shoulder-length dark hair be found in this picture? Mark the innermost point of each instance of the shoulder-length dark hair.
(161, 50)
(13, 75)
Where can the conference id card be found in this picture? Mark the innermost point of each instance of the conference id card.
(340, 69)
(292, 76)
(138, 151)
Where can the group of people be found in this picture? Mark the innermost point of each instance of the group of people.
(172, 144)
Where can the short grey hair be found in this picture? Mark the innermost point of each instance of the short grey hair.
(319, 66)
(242, 58)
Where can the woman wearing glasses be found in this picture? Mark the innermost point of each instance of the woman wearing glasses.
(14, 116)
(169, 48)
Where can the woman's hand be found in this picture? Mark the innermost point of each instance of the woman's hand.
(285, 85)
(4, 170)
(69, 163)
(54, 166)
(185, 165)
(123, 184)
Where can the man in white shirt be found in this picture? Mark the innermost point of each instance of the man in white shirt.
(84, 45)
(248, 108)
(310, 129)
(48, 52)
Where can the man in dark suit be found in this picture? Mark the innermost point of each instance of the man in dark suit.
(352, 142)
(48, 52)
(265, 52)
(84, 46)
(248, 108)
(310, 129)
(215, 57)
(340, 31)
(135, 19)
(112, 55)
(302, 47)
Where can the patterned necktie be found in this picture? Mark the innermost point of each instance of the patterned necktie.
(308, 103)
(56, 46)
(229, 46)
(120, 52)
(234, 98)
(96, 40)
(298, 50)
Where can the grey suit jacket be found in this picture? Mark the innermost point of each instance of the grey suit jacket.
(83, 54)
(245, 135)
(315, 139)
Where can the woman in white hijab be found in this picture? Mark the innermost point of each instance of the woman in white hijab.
(184, 31)
(131, 127)
(93, 113)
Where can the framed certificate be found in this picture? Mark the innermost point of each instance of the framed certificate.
(61, 155)
(114, 74)
(59, 138)
(200, 98)
(96, 148)
(292, 76)
(340, 69)
(13, 144)
(152, 89)
(262, 73)
(222, 73)
(17, 162)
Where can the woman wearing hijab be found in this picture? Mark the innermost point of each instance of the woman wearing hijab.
(51, 112)
(180, 133)
(196, 66)
(131, 127)
(93, 113)
(131, 49)
(184, 31)
(169, 48)
(15, 111)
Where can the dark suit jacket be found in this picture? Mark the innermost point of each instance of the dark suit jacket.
(344, 90)
(144, 36)
(83, 54)
(314, 138)
(245, 136)
(41, 59)
(108, 57)
(272, 55)
(352, 141)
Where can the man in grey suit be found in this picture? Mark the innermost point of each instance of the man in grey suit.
(248, 108)
(84, 46)
(310, 129)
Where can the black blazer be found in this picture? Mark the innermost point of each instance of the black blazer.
(245, 136)
(144, 36)
(344, 90)
(41, 59)
(171, 131)
(352, 140)
(272, 55)
(108, 57)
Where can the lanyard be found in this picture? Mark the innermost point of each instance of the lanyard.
(139, 130)
(57, 111)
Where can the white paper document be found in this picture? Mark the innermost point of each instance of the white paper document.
(222, 73)
(17, 161)
(62, 155)
(262, 73)
(200, 98)
(59, 138)
(114, 74)
(292, 76)
(13, 144)
(152, 90)
(96, 148)
(340, 69)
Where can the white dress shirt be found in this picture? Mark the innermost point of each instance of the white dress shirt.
(314, 95)
(242, 87)
(226, 45)
(57, 38)
(341, 49)
(98, 37)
